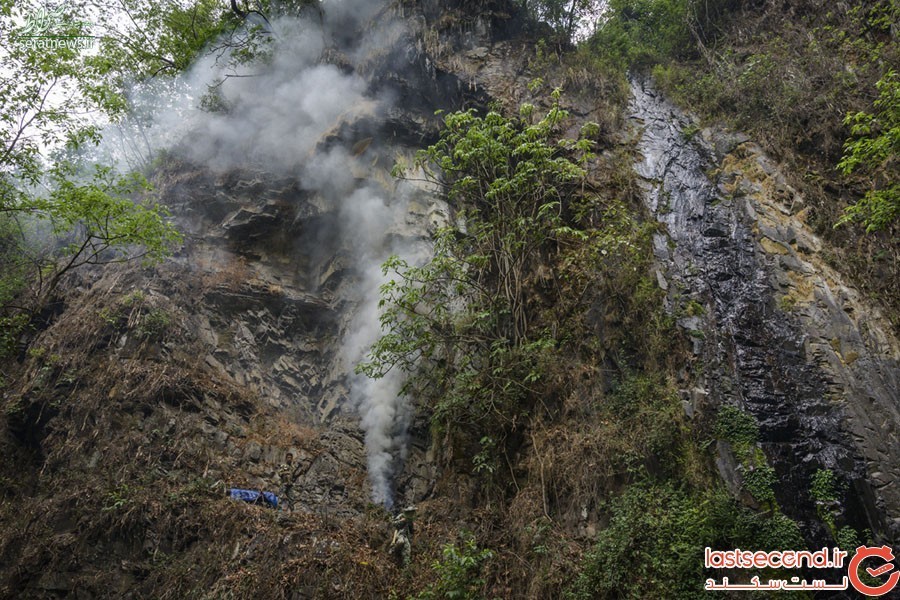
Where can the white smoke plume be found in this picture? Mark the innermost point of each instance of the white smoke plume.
(384, 413)
(286, 117)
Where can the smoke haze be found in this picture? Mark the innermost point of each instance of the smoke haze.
(291, 116)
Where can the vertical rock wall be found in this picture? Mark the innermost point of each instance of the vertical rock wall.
(780, 334)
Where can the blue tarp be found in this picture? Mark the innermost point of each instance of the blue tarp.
(254, 497)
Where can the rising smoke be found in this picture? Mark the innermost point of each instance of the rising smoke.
(287, 117)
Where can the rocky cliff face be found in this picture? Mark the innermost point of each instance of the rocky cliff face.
(290, 263)
(153, 389)
(779, 334)
(158, 388)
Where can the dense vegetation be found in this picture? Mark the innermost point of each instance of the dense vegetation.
(813, 81)
(466, 325)
(501, 352)
(59, 209)
(534, 339)
(494, 367)
(873, 150)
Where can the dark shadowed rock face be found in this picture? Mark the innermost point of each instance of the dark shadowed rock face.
(268, 315)
(282, 273)
(781, 336)
(282, 278)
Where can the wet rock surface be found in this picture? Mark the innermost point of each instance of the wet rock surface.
(780, 334)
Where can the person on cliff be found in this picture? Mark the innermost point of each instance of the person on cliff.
(401, 541)
(285, 476)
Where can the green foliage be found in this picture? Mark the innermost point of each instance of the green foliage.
(736, 426)
(651, 419)
(153, 39)
(796, 82)
(15, 268)
(760, 481)
(93, 219)
(761, 87)
(847, 539)
(11, 328)
(40, 103)
(787, 302)
(784, 83)
(643, 30)
(154, 324)
(134, 298)
(459, 572)
(824, 486)
(485, 460)
(825, 489)
(774, 531)
(57, 214)
(694, 309)
(101, 215)
(566, 17)
(874, 148)
(740, 429)
(613, 265)
(653, 546)
(464, 326)
(639, 32)
(119, 497)
(13, 281)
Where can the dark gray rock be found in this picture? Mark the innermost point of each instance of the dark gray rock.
(820, 372)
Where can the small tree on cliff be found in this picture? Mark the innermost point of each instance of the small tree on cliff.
(464, 325)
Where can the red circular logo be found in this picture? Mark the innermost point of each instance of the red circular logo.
(864, 552)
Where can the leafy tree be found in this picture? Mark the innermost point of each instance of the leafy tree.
(57, 213)
(653, 546)
(459, 572)
(40, 101)
(141, 40)
(96, 216)
(874, 149)
(78, 222)
(144, 46)
(464, 325)
(649, 31)
(565, 16)
(641, 30)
